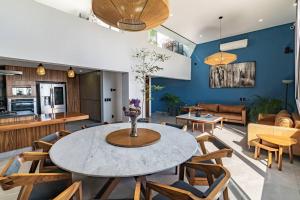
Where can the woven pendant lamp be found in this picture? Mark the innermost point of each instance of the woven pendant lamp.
(132, 15)
(221, 57)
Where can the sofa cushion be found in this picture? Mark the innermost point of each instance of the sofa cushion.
(209, 107)
(283, 113)
(205, 112)
(231, 108)
(296, 119)
(283, 118)
(284, 122)
(230, 116)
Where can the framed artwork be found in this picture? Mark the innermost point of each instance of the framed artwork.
(236, 75)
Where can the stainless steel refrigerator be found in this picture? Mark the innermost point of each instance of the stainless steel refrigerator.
(52, 98)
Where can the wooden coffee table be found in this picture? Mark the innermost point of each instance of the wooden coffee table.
(282, 142)
(212, 120)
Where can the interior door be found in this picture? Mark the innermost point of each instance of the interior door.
(58, 98)
(45, 98)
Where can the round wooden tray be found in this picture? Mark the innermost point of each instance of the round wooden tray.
(121, 138)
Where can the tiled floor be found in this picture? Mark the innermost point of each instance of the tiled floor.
(251, 179)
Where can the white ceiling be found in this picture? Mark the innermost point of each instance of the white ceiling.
(192, 18)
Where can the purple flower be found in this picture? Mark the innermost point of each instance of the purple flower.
(135, 102)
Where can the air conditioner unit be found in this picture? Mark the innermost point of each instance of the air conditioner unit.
(234, 45)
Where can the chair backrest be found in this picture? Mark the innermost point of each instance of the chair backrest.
(93, 125)
(182, 127)
(10, 176)
(46, 142)
(223, 149)
(217, 175)
(11, 169)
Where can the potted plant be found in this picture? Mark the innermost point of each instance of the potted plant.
(173, 102)
(147, 65)
(264, 105)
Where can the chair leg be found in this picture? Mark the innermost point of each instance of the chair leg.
(181, 172)
(256, 152)
(276, 156)
(193, 126)
(269, 159)
(225, 194)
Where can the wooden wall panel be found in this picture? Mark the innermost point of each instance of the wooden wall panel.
(29, 78)
(73, 97)
(11, 140)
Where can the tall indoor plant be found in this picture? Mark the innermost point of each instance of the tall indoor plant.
(147, 64)
(264, 105)
(172, 102)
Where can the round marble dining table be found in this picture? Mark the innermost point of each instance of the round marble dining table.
(86, 152)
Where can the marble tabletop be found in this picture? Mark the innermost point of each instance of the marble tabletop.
(87, 153)
(204, 118)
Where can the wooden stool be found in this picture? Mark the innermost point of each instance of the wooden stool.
(259, 146)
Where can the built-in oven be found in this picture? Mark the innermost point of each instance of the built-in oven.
(21, 105)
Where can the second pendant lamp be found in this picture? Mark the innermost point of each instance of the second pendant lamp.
(221, 57)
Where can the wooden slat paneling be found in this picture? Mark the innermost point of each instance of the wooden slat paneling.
(73, 97)
(21, 138)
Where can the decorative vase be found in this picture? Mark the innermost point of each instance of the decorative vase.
(133, 132)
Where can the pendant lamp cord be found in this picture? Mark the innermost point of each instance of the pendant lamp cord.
(220, 18)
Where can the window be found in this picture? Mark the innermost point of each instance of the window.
(166, 42)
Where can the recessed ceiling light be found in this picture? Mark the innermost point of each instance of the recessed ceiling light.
(171, 15)
(260, 20)
(295, 4)
(200, 35)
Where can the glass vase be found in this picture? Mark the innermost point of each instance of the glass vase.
(133, 132)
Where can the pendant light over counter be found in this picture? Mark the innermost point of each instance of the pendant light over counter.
(71, 73)
(133, 15)
(221, 57)
(40, 70)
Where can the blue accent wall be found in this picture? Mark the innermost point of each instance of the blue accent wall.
(266, 47)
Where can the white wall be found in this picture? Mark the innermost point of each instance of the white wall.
(32, 31)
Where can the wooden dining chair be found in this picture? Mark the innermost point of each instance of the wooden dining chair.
(198, 177)
(36, 186)
(93, 125)
(182, 127)
(217, 175)
(45, 144)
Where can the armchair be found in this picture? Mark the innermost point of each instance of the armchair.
(217, 175)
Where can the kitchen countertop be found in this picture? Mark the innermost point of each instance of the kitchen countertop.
(43, 120)
(17, 114)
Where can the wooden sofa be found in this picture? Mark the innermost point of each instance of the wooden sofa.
(281, 124)
(230, 113)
